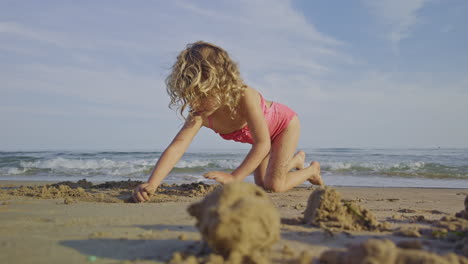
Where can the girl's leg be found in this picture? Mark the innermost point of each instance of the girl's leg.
(297, 163)
(277, 177)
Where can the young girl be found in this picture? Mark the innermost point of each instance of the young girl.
(207, 82)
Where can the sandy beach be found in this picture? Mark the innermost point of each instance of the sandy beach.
(97, 224)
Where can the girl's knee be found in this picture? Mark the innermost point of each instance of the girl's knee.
(259, 182)
(274, 185)
(259, 178)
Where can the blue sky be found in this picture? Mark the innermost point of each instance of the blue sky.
(363, 73)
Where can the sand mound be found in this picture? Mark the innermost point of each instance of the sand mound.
(464, 213)
(238, 221)
(459, 228)
(195, 189)
(81, 183)
(325, 209)
(108, 192)
(452, 224)
(385, 252)
(50, 192)
(62, 191)
(452, 229)
(190, 190)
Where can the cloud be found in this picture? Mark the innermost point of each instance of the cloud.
(15, 29)
(88, 41)
(111, 64)
(99, 67)
(261, 15)
(398, 16)
(264, 35)
(111, 87)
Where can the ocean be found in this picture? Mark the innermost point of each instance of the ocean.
(440, 168)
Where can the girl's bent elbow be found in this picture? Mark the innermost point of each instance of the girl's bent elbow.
(263, 146)
(268, 146)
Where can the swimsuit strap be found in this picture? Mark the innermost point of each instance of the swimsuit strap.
(263, 104)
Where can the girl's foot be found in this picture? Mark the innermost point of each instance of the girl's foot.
(316, 178)
(298, 160)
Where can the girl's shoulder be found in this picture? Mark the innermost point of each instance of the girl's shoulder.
(249, 94)
(248, 89)
(250, 99)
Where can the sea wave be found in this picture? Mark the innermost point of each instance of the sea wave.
(105, 166)
(402, 169)
(82, 167)
(449, 164)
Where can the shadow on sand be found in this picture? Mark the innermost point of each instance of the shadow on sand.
(130, 249)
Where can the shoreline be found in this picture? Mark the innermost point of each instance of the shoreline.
(43, 182)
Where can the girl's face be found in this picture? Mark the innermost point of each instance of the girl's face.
(206, 107)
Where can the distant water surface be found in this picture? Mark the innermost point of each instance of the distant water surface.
(446, 168)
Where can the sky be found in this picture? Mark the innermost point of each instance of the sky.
(360, 74)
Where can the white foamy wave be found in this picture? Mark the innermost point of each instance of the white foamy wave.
(85, 167)
(63, 163)
(373, 166)
(13, 171)
(409, 165)
(228, 164)
(192, 163)
(224, 164)
(336, 165)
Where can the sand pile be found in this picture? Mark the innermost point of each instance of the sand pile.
(177, 192)
(81, 183)
(449, 228)
(385, 252)
(195, 189)
(50, 192)
(325, 209)
(238, 222)
(179, 258)
(462, 245)
(452, 224)
(69, 194)
(108, 192)
(190, 190)
(453, 229)
(464, 213)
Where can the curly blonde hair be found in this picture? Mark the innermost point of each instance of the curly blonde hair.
(204, 70)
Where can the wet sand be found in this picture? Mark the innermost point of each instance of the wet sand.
(95, 223)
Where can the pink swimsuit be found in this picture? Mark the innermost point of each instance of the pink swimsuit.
(277, 116)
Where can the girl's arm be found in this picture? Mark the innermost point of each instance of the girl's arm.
(169, 158)
(260, 134)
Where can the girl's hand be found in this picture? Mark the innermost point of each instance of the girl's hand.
(219, 176)
(143, 192)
